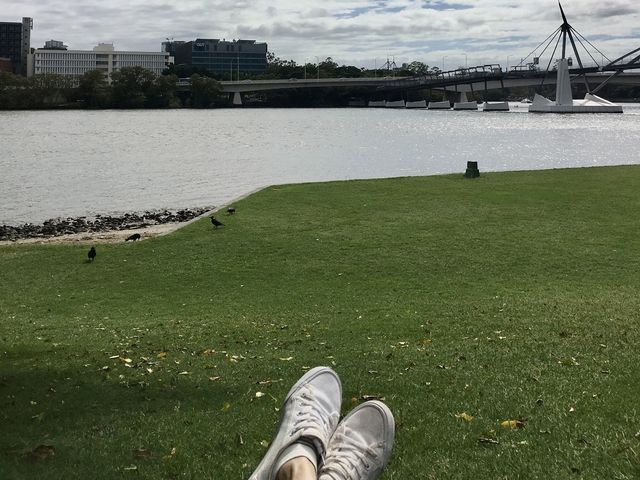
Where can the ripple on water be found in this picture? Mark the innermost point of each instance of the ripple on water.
(73, 163)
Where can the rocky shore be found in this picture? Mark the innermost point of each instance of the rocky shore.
(100, 223)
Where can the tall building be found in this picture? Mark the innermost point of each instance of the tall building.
(103, 57)
(223, 57)
(15, 43)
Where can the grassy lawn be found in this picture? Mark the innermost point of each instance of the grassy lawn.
(515, 296)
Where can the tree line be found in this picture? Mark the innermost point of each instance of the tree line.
(136, 87)
(130, 87)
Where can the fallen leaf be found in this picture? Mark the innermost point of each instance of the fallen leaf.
(259, 394)
(130, 468)
(487, 440)
(142, 454)
(171, 454)
(464, 416)
(372, 397)
(213, 379)
(184, 373)
(42, 452)
(512, 424)
(162, 355)
(264, 443)
(240, 439)
(267, 382)
(225, 406)
(126, 360)
(288, 359)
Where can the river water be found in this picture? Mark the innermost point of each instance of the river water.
(76, 163)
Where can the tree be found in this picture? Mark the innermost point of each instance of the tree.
(204, 91)
(130, 86)
(13, 91)
(48, 89)
(416, 68)
(162, 93)
(93, 89)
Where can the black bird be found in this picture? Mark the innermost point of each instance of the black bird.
(92, 254)
(133, 238)
(216, 223)
(231, 211)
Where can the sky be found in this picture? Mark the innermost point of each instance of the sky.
(354, 32)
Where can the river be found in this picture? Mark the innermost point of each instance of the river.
(77, 163)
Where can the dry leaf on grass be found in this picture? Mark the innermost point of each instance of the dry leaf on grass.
(225, 406)
(42, 452)
(142, 454)
(366, 398)
(488, 441)
(464, 416)
(512, 424)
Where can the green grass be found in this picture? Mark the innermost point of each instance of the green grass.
(513, 296)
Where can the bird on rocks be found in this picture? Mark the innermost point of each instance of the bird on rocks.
(92, 254)
(133, 238)
(216, 223)
(231, 211)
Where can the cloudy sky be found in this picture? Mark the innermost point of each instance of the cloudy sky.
(360, 32)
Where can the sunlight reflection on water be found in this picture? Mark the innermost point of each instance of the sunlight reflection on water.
(72, 163)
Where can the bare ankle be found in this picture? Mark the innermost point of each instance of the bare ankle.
(299, 468)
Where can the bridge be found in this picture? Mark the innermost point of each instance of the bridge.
(472, 79)
(469, 80)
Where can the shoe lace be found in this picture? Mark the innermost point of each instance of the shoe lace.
(312, 415)
(352, 459)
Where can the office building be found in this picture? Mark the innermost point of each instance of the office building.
(222, 57)
(103, 57)
(15, 44)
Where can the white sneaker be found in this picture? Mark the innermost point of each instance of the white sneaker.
(361, 445)
(310, 414)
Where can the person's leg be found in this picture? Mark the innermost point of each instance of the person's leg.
(361, 445)
(299, 468)
(309, 417)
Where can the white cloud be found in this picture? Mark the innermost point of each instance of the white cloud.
(350, 31)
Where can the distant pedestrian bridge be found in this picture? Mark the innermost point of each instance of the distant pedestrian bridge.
(467, 80)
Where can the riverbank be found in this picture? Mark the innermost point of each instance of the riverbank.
(468, 305)
(102, 227)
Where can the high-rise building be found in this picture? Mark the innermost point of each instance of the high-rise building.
(15, 43)
(223, 57)
(103, 57)
(54, 45)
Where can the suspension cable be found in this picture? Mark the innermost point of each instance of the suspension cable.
(541, 43)
(550, 60)
(592, 45)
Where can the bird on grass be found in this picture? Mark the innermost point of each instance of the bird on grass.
(92, 254)
(231, 211)
(133, 238)
(216, 223)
